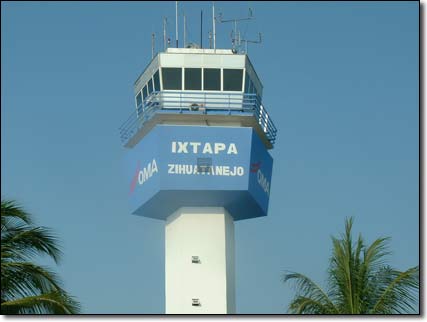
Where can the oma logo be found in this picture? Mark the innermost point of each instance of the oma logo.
(146, 173)
(142, 175)
(262, 180)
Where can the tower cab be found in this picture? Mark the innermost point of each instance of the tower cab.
(202, 87)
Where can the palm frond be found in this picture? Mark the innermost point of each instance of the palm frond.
(306, 288)
(340, 276)
(13, 214)
(51, 303)
(20, 279)
(359, 282)
(25, 242)
(399, 291)
(27, 288)
(375, 255)
(306, 305)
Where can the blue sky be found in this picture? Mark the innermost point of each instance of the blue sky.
(340, 82)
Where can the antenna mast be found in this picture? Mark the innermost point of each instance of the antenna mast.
(201, 29)
(213, 24)
(176, 23)
(164, 33)
(152, 45)
(246, 41)
(235, 33)
(185, 31)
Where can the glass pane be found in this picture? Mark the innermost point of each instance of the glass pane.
(150, 86)
(156, 81)
(144, 92)
(233, 79)
(172, 78)
(193, 79)
(138, 99)
(247, 81)
(253, 88)
(212, 79)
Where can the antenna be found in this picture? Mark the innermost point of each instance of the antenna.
(152, 45)
(201, 29)
(176, 23)
(246, 41)
(213, 24)
(165, 21)
(185, 31)
(235, 38)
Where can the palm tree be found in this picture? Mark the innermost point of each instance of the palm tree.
(359, 282)
(28, 288)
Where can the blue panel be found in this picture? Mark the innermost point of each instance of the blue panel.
(188, 166)
(141, 188)
(239, 204)
(228, 149)
(260, 172)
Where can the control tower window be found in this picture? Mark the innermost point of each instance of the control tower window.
(212, 79)
(193, 79)
(144, 92)
(249, 86)
(233, 79)
(156, 81)
(150, 86)
(138, 101)
(247, 83)
(253, 89)
(172, 78)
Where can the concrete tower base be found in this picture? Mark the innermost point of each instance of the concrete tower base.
(199, 261)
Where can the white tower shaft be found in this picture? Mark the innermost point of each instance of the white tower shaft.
(199, 261)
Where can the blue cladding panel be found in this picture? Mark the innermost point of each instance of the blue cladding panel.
(224, 158)
(240, 204)
(165, 171)
(135, 161)
(260, 172)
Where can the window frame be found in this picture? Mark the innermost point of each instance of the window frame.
(144, 91)
(152, 86)
(136, 101)
(241, 80)
(182, 79)
(247, 84)
(158, 79)
(201, 78)
(220, 80)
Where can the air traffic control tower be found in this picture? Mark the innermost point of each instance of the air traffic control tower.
(197, 158)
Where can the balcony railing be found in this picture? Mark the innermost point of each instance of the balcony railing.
(198, 103)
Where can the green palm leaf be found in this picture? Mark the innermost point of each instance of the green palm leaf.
(359, 282)
(27, 288)
(50, 303)
(26, 242)
(308, 290)
(398, 291)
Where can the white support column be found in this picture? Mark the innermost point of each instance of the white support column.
(208, 233)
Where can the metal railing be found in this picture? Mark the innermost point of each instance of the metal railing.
(187, 102)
